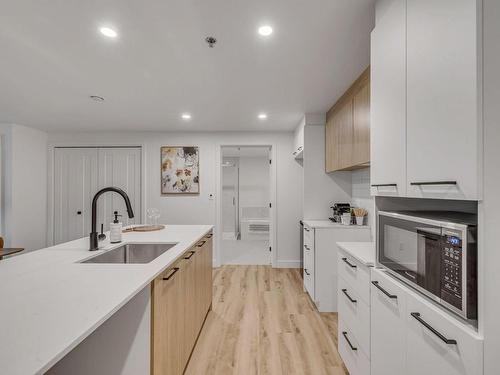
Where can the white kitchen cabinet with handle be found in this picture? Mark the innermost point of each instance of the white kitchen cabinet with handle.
(443, 98)
(426, 99)
(388, 99)
(411, 335)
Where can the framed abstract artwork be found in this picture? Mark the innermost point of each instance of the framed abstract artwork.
(180, 173)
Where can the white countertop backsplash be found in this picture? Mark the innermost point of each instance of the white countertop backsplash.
(49, 302)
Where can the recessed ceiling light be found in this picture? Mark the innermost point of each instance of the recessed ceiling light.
(265, 30)
(262, 116)
(109, 32)
(97, 98)
(186, 116)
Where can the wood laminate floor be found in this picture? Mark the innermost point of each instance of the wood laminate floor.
(262, 322)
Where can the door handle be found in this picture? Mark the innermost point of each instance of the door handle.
(422, 183)
(190, 255)
(349, 341)
(416, 315)
(348, 296)
(384, 291)
(174, 271)
(349, 263)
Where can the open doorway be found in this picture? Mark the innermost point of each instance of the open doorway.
(245, 205)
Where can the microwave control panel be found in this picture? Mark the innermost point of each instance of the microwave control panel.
(451, 272)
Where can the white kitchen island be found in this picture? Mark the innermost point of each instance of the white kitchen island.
(50, 302)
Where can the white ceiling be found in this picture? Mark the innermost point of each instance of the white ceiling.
(52, 58)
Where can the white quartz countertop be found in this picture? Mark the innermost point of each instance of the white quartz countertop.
(321, 224)
(49, 302)
(364, 252)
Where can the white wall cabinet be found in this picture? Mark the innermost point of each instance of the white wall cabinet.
(388, 99)
(410, 335)
(79, 173)
(426, 81)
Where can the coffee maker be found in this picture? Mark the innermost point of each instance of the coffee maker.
(338, 210)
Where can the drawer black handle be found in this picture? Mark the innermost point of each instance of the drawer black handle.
(384, 185)
(307, 247)
(416, 315)
(348, 296)
(349, 341)
(307, 273)
(384, 291)
(174, 271)
(307, 230)
(209, 235)
(78, 212)
(190, 255)
(200, 244)
(433, 183)
(349, 263)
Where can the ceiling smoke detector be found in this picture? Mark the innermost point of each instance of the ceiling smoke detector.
(211, 41)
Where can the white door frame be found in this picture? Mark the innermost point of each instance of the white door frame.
(51, 177)
(218, 198)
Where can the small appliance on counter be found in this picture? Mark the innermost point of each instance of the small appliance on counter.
(338, 210)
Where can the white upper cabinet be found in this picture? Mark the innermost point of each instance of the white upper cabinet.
(426, 99)
(388, 99)
(443, 98)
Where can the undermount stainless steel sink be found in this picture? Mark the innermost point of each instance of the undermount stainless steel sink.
(131, 253)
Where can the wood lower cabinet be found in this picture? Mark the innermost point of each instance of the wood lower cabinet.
(347, 128)
(181, 298)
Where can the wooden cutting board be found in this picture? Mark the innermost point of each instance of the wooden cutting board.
(144, 228)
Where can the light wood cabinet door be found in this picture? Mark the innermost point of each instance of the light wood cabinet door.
(190, 314)
(347, 130)
(443, 98)
(388, 99)
(167, 324)
(361, 125)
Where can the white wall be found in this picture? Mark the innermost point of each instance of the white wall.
(490, 207)
(24, 175)
(321, 190)
(199, 209)
(361, 195)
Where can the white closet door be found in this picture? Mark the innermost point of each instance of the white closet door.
(75, 182)
(119, 167)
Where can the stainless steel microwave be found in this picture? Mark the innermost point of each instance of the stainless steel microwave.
(434, 252)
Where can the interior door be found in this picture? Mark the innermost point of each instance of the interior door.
(75, 182)
(121, 168)
(79, 173)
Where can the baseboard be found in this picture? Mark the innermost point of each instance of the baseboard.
(289, 264)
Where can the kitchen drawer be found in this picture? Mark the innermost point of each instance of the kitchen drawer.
(356, 274)
(354, 359)
(427, 353)
(308, 236)
(309, 283)
(356, 313)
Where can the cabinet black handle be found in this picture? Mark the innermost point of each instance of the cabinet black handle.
(190, 255)
(433, 183)
(349, 263)
(307, 247)
(349, 341)
(384, 291)
(174, 271)
(209, 235)
(78, 212)
(384, 185)
(307, 273)
(348, 296)
(307, 230)
(416, 315)
(200, 244)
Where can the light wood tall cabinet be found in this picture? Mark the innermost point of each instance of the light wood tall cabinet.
(181, 298)
(347, 131)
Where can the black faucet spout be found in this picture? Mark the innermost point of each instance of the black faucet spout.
(93, 235)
